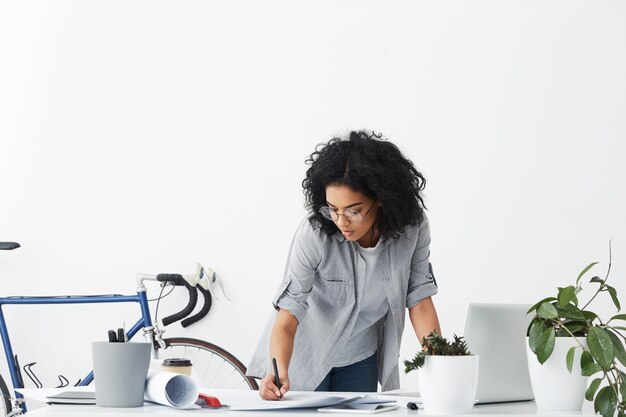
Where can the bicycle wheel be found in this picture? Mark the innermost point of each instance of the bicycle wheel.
(212, 366)
(5, 404)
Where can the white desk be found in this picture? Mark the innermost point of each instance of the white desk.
(522, 409)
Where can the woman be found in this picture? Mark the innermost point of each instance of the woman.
(360, 257)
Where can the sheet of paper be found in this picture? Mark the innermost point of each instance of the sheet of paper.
(359, 408)
(399, 398)
(250, 400)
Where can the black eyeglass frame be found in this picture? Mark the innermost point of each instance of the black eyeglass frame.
(327, 212)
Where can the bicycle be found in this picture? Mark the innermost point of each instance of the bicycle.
(227, 372)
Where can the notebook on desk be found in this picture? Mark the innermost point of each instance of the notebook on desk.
(497, 333)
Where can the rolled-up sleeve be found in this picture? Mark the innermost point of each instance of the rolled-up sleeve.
(303, 260)
(422, 282)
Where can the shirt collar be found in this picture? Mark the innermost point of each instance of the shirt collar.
(341, 238)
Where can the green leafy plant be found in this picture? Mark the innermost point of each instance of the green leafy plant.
(562, 316)
(434, 344)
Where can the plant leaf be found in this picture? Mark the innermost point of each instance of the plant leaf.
(601, 347)
(566, 295)
(593, 387)
(535, 333)
(613, 293)
(618, 348)
(590, 315)
(547, 311)
(536, 306)
(570, 312)
(574, 327)
(585, 359)
(584, 271)
(597, 279)
(590, 369)
(545, 345)
(619, 327)
(605, 402)
(618, 317)
(569, 359)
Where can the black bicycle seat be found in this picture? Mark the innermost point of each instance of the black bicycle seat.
(9, 245)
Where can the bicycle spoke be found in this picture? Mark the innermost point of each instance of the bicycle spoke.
(212, 366)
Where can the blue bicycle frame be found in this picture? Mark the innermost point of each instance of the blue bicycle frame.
(144, 322)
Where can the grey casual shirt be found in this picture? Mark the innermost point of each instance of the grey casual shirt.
(371, 303)
(319, 289)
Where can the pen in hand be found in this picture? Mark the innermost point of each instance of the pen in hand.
(277, 378)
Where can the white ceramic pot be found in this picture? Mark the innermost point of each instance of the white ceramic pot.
(555, 388)
(448, 383)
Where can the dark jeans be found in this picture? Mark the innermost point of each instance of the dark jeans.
(359, 377)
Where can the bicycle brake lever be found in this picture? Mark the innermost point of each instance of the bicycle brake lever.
(208, 278)
(157, 336)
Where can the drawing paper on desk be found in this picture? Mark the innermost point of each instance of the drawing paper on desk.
(351, 408)
(249, 400)
(172, 389)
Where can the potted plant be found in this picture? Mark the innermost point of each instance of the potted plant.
(563, 331)
(447, 374)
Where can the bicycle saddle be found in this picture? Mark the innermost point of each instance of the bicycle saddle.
(9, 245)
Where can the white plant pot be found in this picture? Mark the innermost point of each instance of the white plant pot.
(448, 383)
(554, 387)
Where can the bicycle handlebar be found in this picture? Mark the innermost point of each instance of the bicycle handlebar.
(198, 281)
(178, 280)
(203, 311)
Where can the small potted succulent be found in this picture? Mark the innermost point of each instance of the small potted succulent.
(447, 374)
(567, 343)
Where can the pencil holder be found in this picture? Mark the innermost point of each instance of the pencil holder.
(120, 371)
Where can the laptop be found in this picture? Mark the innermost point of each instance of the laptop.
(497, 333)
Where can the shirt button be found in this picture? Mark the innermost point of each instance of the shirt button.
(386, 279)
(394, 305)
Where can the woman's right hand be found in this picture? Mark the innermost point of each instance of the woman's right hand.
(268, 389)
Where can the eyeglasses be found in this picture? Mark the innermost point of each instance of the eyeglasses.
(352, 215)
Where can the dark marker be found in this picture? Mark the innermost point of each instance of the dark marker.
(276, 377)
(412, 406)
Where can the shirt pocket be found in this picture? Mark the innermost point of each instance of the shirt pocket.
(334, 277)
(333, 292)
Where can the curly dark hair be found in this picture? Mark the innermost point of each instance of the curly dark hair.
(369, 164)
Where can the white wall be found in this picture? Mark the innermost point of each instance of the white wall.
(147, 135)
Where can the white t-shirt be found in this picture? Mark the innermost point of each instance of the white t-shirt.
(363, 339)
